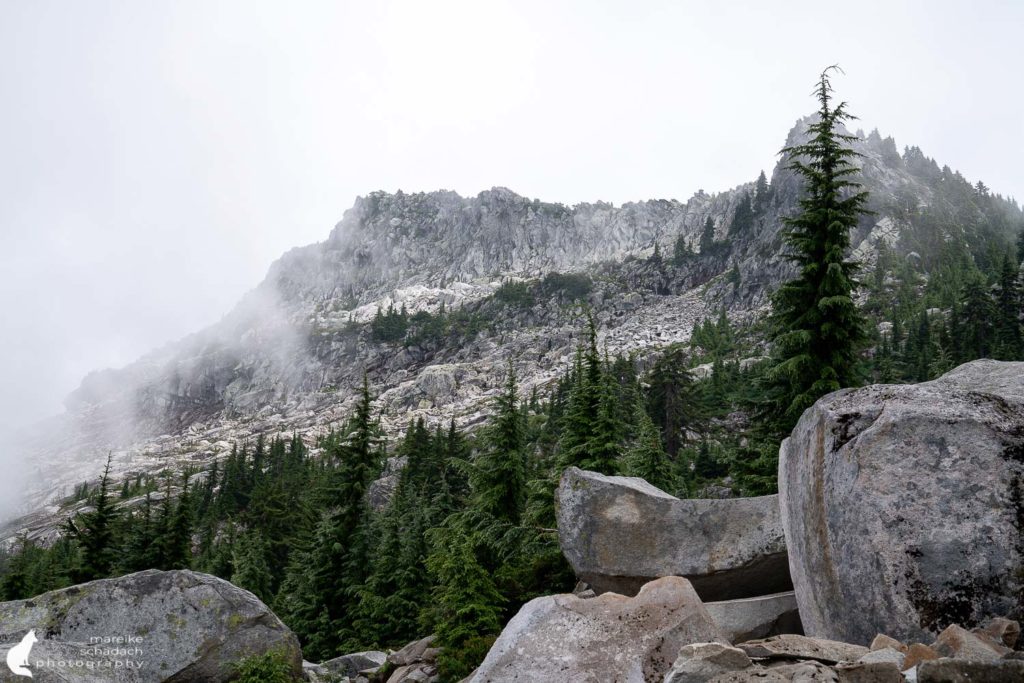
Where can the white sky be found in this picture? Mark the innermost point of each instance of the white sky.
(155, 157)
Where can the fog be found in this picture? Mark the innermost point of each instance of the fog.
(158, 156)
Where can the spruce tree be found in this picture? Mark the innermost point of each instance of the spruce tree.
(817, 329)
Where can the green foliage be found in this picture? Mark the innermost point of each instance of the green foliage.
(672, 401)
(515, 294)
(817, 329)
(389, 327)
(743, 217)
(466, 602)
(269, 667)
(646, 457)
(681, 251)
(707, 236)
(498, 475)
(569, 286)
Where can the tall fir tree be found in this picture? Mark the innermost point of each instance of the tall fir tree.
(646, 457)
(1008, 343)
(707, 236)
(816, 327)
(94, 532)
(498, 475)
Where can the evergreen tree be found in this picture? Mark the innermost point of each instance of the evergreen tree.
(176, 539)
(761, 194)
(251, 570)
(743, 217)
(498, 476)
(976, 322)
(646, 457)
(1008, 342)
(672, 400)
(681, 251)
(707, 236)
(94, 532)
(817, 328)
(327, 577)
(466, 605)
(584, 404)
(604, 446)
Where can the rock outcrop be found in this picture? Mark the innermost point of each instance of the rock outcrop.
(177, 626)
(607, 638)
(620, 532)
(904, 505)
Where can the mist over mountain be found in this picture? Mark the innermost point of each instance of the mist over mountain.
(434, 295)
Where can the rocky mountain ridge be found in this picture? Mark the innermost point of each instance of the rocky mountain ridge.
(286, 358)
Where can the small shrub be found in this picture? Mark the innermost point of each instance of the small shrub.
(269, 667)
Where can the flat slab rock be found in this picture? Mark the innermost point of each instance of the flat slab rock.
(184, 626)
(618, 533)
(902, 505)
(964, 671)
(607, 638)
(751, 618)
(802, 647)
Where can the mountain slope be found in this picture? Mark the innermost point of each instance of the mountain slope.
(483, 281)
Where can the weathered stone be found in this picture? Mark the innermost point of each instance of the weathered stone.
(751, 618)
(353, 664)
(802, 647)
(701, 662)
(618, 533)
(882, 642)
(917, 653)
(314, 673)
(415, 673)
(902, 505)
(798, 672)
(956, 641)
(1004, 630)
(965, 671)
(885, 654)
(869, 672)
(411, 653)
(184, 626)
(609, 637)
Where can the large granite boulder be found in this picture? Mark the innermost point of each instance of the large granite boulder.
(607, 638)
(903, 505)
(618, 533)
(177, 626)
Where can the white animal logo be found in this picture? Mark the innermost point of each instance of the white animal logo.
(17, 656)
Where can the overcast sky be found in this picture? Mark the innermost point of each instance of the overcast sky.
(155, 157)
